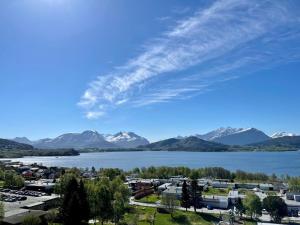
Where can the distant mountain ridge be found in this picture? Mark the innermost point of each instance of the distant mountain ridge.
(292, 142)
(226, 136)
(235, 136)
(88, 139)
(185, 144)
(8, 144)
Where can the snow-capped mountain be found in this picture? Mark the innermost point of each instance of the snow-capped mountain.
(126, 139)
(282, 134)
(235, 136)
(220, 132)
(88, 139)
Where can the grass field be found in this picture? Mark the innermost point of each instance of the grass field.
(216, 191)
(143, 216)
(153, 198)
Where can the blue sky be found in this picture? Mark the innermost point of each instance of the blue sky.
(158, 68)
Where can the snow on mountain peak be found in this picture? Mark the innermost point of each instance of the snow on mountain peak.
(282, 134)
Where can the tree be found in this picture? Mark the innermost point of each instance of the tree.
(196, 193)
(72, 205)
(170, 202)
(294, 184)
(84, 205)
(185, 197)
(276, 207)
(240, 208)
(1, 211)
(104, 203)
(252, 205)
(31, 220)
(119, 207)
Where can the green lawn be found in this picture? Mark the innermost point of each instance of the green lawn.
(142, 216)
(216, 191)
(153, 198)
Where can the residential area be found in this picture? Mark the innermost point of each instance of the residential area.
(34, 191)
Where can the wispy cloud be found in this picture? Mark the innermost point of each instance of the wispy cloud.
(213, 45)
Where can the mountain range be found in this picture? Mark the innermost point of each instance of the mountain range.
(239, 136)
(87, 139)
(216, 140)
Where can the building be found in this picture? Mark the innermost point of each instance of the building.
(233, 197)
(218, 202)
(173, 190)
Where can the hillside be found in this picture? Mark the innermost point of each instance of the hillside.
(243, 137)
(8, 144)
(287, 142)
(185, 144)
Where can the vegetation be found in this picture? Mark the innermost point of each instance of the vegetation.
(276, 207)
(1, 211)
(11, 179)
(148, 216)
(31, 220)
(153, 198)
(74, 208)
(185, 197)
(294, 184)
(252, 205)
(170, 203)
(216, 191)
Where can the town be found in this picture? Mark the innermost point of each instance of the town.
(145, 196)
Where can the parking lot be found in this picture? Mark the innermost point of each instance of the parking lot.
(16, 201)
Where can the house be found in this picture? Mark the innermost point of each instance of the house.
(247, 185)
(163, 187)
(221, 184)
(293, 207)
(291, 195)
(27, 174)
(266, 187)
(173, 190)
(218, 202)
(233, 197)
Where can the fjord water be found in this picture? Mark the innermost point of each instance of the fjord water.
(266, 162)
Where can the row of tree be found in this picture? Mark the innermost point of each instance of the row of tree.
(252, 206)
(214, 172)
(101, 199)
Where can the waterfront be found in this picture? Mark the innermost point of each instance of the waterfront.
(266, 162)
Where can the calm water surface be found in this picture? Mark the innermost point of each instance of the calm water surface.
(267, 162)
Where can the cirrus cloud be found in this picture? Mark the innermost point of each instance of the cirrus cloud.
(227, 39)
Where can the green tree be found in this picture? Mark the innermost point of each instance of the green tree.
(294, 184)
(84, 205)
(185, 197)
(196, 193)
(31, 220)
(104, 203)
(276, 207)
(11, 179)
(72, 205)
(252, 205)
(240, 208)
(118, 207)
(1, 211)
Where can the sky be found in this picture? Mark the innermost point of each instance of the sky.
(157, 68)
